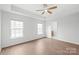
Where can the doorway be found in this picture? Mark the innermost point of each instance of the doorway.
(52, 29)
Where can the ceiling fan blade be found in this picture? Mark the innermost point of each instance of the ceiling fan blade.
(52, 7)
(43, 12)
(49, 12)
(45, 5)
(39, 10)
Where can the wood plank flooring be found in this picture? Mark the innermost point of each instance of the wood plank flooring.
(43, 46)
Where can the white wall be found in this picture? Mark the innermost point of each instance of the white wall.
(67, 27)
(0, 30)
(21, 10)
(30, 28)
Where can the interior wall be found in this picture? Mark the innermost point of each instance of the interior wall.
(0, 30)
(67, 27)
(30, 28)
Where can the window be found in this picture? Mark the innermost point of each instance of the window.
(40, 29)
(16, 29)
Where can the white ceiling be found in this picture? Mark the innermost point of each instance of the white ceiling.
(31, 7)
(63, 9)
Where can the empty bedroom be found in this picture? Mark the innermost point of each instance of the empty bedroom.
(39, 29)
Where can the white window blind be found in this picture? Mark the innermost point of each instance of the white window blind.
(39, 29)
(16, 29)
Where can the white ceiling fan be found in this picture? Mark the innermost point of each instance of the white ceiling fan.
(47, 8)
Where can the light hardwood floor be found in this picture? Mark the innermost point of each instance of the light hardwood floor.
(43, 46)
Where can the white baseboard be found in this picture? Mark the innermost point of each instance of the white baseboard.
(77, 43)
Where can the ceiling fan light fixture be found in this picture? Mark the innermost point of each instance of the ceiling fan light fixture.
(48, 9)
(45, 10)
